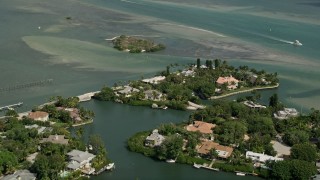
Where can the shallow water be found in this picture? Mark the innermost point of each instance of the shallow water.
(37, 42)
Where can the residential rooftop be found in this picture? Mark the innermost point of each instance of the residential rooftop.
(202, 127)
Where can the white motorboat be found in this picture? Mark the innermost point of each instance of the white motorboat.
(297, 43)
(110, 166)
(170, 161)
(240, 174)
(197, 165)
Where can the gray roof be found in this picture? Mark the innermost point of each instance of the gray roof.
(74, 165)
(22, 174)
(80, 156)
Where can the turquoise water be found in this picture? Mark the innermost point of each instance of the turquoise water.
(37, 42)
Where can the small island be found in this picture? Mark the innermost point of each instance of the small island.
(135, 45)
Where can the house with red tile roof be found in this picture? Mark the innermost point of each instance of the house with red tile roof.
(202, 127)
(232, 83)
(205, 147)
(39, 116)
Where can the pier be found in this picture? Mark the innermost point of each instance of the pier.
(11, 106)
(26, 85)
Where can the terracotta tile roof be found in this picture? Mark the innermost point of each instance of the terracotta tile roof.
(223, 151)
(203, 127)
(228, 79)
(38, 114)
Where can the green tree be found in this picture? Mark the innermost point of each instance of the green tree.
(198, 63)
(170, 148)
(294, 136)
(274, 101)
(305, 151)
(8, 162)
(12, 113)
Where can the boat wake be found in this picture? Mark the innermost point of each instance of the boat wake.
(198, 29)
(296, 42)
(131, 2)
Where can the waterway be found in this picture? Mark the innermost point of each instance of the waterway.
(38, 42)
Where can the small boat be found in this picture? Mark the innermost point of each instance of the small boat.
(110, 166)
(197, 165)
(240, 174)
(170, 161)
(297, 43)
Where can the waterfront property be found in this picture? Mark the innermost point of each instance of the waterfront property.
(40, 129)
(202, 127)
(55, 139)
(154, 139)
(232, 83)
(223, 151)
(20, 175)
(127, 91)
(286, 113)
(80, 160)
(39, 116)
(73, 112)
(153, 95)
(253, 105)
(154, 80)
(262, 158)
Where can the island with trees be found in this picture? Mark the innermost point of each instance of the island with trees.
(235, 136)
(41, 143)
(185, 88)
(136, 45)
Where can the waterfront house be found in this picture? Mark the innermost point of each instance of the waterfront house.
(188, 73)
(39, 116)
(20, 175)
(262, 158)
(202, 127)
(73, 112)
(55, 139)
(223, 151)
(286, 113)
(153, 95)
(80, 160)
(154, 80)
(154, 139)
(127, 91)
(253, 105)
(40, 129)
(232, 83)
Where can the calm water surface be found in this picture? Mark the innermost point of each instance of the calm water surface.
(37, 42)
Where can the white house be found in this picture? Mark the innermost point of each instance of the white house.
(253, 105)
(154, 80)
(286, 113)
(154, 139)
(153, 95)
(261, 157)
(127, 91)
(80, 160)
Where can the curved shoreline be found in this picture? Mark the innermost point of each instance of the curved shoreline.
(243, 91)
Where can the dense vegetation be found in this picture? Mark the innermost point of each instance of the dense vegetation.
(233, 121)
(179, 88)
(135, 45)
(18, 142)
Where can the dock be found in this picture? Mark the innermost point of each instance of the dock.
(11, 106)
(87, 96)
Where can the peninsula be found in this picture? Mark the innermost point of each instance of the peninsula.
(183, 89)
(135, 45)
(241, 136)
